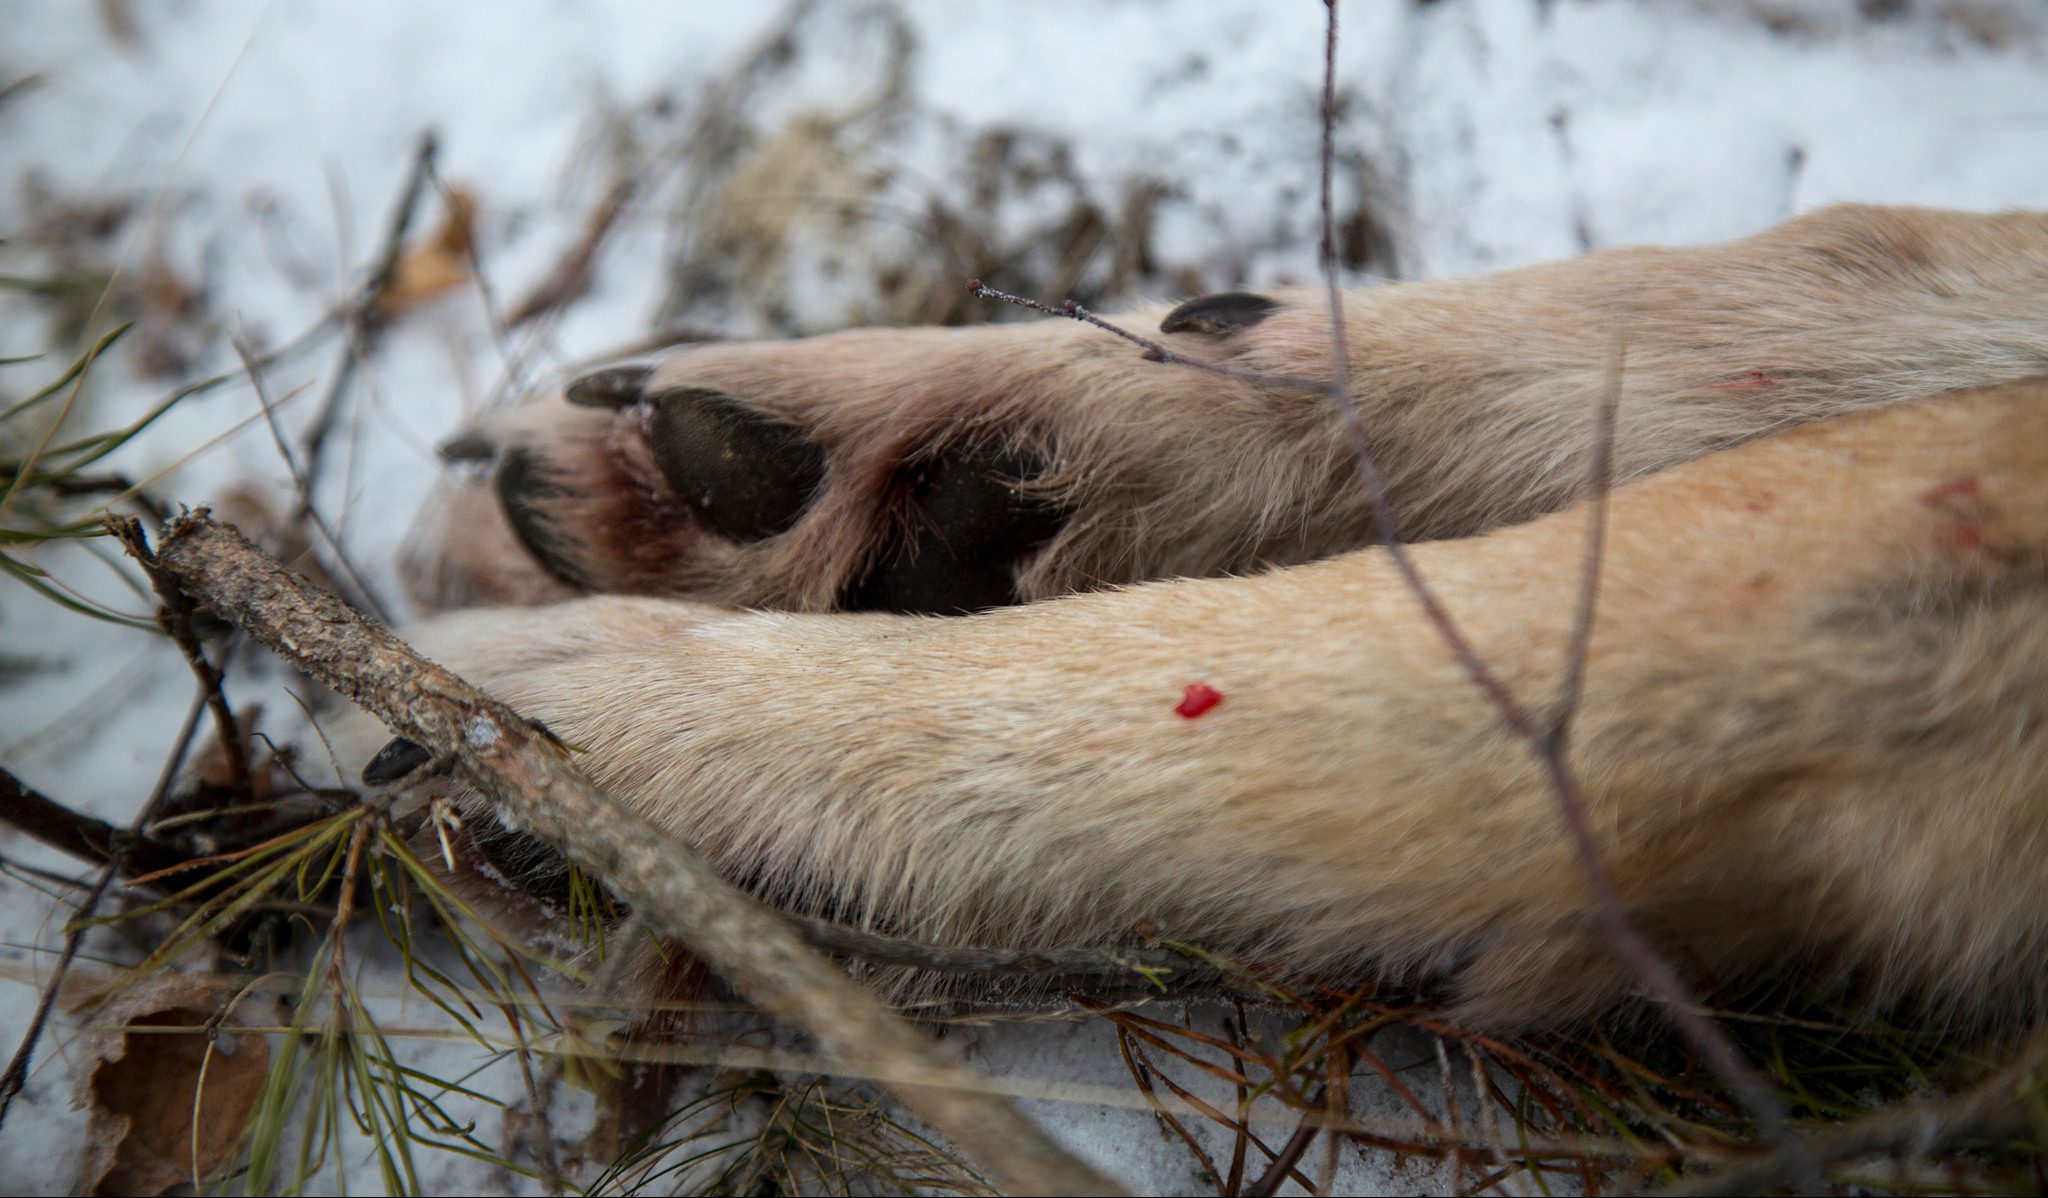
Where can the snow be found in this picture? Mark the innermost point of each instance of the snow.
(264, 144)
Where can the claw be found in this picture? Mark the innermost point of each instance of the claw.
(395, 761)
(1219, 315)
(616, 387)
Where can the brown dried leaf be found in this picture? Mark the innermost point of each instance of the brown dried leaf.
(437, 265)
(144, 1083)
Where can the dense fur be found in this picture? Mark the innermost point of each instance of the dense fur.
(1812, 730)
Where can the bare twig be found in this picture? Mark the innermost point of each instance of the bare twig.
(1598, 485)
(1154, 351)
(176, 618)
(1655, 973)
(528, 773)
(1291, 1152)
(2003, 1104)
(16, 1075)
(360, 320)
(1547, 743)
(570, 276)
(1145, 966)
(82, 836)
(363, 595)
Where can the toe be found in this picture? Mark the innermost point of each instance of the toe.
(525, 489)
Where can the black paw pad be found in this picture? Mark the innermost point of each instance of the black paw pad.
(618, 387)
(523, 489)
(970, 519)
(1219, 315)
(745, 475)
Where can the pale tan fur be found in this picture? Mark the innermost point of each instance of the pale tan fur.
(1812, 737)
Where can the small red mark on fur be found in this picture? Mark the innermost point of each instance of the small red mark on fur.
(1966, 487)
(1748, 382)
(1198, 698)
(1762, 501)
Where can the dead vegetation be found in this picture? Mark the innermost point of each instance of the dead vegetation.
(245, 895)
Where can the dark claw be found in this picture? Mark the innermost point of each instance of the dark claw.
(745, 475)
(1219, 315)
(617, 387)
(522, 486)
(969, 522)
(468, 447)
(395, 761)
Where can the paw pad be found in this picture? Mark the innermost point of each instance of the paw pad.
(970, 519)
(745, 475)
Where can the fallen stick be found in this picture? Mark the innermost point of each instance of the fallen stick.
(527, 773)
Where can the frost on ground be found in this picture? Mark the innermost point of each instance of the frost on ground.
(609, 172)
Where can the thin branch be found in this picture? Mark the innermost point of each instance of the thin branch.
(361, 322)
(569, 278)
(1276, 1175)
(527, 771)
(1598, 485)
(1655, 973)
(96, 841)
(16, 1075)
(365, 596)
(2000, 1106)
(1153, 351)
(1546, 743)
(1143, 966)
(176, 618)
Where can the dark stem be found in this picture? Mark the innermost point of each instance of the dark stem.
(361, 322)
(16, 1076)
(81, 836)
(1291, 1152)
(176, 618)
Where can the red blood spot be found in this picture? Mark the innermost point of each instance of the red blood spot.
(1748, 382)
(1966, 487)
(1762, 501)
(1198, 698)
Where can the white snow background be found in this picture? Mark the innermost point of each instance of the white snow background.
(263, 145)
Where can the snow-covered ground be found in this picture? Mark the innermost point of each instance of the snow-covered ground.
(259, 148)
